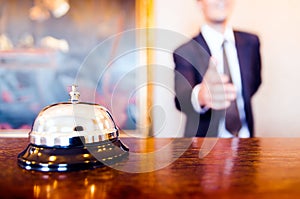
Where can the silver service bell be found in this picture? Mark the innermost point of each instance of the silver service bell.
(71, 136)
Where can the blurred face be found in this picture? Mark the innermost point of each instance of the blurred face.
(216, 11)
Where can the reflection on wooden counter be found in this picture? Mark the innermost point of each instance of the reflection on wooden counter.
(167, 168)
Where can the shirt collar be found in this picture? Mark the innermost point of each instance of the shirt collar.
(214, 37)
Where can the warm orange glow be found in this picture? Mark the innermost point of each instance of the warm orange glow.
(145, 20)
(36, 191)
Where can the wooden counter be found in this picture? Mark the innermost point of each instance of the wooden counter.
(167, 168)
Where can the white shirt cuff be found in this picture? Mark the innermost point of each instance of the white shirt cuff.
(195, 101)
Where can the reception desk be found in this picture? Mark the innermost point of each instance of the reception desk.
(167, 168)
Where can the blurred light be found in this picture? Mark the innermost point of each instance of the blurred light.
(5, 42)
(38, 13)
(62, 169)
(92, 190)
(36, 191)
(61, 10)
(52, 158)
(55, 44)
(45, 169)
(40, 10)
(86, 155)
(57, 7)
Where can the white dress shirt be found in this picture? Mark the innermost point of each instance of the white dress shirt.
(214, 41)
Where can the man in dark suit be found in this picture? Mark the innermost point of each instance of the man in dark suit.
(215, 71)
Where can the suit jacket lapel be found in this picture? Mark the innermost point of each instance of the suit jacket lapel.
(204, 65)
(202, 42)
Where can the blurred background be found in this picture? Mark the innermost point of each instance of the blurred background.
(43, 44)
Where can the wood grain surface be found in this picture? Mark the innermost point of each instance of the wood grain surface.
(167, 168)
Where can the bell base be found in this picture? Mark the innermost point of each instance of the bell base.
(48, 159)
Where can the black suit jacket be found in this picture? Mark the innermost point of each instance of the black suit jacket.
(191, 62)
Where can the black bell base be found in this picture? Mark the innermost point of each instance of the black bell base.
(60, 159)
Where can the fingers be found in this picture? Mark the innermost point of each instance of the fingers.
(217, 92)
(220, 98)
(217, 96)
(230, 92)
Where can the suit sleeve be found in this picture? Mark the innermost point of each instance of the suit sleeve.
(186, 77)
(258, 65)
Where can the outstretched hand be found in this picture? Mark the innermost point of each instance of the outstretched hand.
(216, 91)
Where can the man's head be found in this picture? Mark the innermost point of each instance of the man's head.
(216, 11)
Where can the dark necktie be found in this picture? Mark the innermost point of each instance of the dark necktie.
(232, 119)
